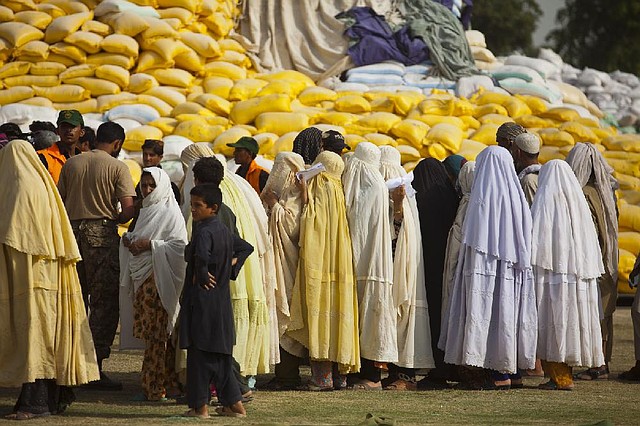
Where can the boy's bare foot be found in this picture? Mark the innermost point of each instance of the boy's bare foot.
(235, 410)
(200, 412)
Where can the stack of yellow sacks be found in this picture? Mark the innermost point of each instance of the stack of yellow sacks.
(176, 56)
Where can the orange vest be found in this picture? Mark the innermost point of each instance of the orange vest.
(55, 161)
(253, 175)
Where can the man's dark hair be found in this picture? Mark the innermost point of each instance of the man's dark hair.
(88, 136)
(208, 170)
(12, 131)
(109, 132)
(154, 144)
(42, 125)
(209, 192)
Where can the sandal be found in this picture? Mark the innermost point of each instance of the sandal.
(551, 385)
(402, 383)
(366, 386)
(192, 413)
(228, 412)
(601, 373)
(25, 415)
(312, 387)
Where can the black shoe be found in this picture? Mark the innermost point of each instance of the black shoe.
(105, 384)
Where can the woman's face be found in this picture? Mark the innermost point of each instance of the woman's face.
(147, 184)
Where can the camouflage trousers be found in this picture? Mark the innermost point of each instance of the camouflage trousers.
(99, 273)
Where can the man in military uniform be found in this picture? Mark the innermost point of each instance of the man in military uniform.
(91, 185)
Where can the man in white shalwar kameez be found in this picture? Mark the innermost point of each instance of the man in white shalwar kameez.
(409, 292)
(367, 199)
(492, 319)
(567, 262)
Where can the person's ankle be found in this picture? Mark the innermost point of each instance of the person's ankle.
(203, 410)
(238, 408)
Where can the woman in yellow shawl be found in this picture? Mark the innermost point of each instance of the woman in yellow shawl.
(324, 305)
(46, 342)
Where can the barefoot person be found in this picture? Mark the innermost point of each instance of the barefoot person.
(206, 320)
(152, 269)
(46, 344)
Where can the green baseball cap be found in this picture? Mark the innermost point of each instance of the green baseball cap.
(247, 143)
(70, 116)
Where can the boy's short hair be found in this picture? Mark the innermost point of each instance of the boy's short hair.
(154, 144)
(209, 192)
(208, 170)
(89, 135)
(110, 132)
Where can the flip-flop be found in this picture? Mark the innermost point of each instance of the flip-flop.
(25, 415)
(365, 386)
(226, 412)
(551, 385)
(593, 374)
(192, 413)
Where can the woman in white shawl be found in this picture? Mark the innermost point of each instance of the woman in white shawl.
(598, 185)
(492, 319)
(367, 200)
(409, 292)
(566, 263)
(284, 196)
(152, 270)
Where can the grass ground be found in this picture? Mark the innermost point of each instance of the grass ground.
(589, 403)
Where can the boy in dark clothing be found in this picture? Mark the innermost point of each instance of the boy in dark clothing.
(206, 324)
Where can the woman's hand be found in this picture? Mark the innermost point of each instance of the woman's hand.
(139, 246)
(397, 196)
(269, 198)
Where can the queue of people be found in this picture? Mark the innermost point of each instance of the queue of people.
(474, 273)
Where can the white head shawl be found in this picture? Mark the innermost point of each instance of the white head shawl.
(564, 235)
(280, 176)
(586, 161)
(498, 219)
(189, 156)
(161, 222)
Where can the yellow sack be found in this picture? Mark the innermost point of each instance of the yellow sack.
(470, 149)
(168, 95)
(54, 57)
(352, 103)
(84, 107)
(134, 170)
(128, 23)
(63, 93)
(212, 120)
(166, 124)
(244, 112)
(151, 61)
(47, 68)
(627, 143)
(189, 60)
(70, 51)
(214, 103)
(104, 58)
(120, 43)
(432, 120)
(185, 16)
(438, 104)
(37, 50)
(281, 122)
(491, 98)
(166, 48)
(312, 96)
(580, 132)
(205, 45)
(192, 6)
(338, 118)
(40, 20)
(32, 80)
(485, 109)
(17, 33)
(231, 44)
(84, 70)
(536, 104)
(218, 24)
(198, 130)
(189, 108)
(555, 137)
(486, 134)
(516, 107)
(15, 94)
(13, 69)
(408, 153)
(50, 9)
(624, 166)
(353, 140)
(630, 217)
(163, 108)
(157, 30)
(437, 151)
(6, 14)
(589, 122)
(224, 69)
(246, 89)
(447, 135)
(173, 77)
(408, 167)
(288, 75)
(230, 136)
(282, 87)
(356, 129)
(89, 42)
(236, 58)
(219, 86)
(135, 138)
(70, 7)
(531, 121)
(96, 86)
(382, 105)
(38, 101)
(62, 27)
(379, 139)
(5, 50)
(283, 144)
(406, 101)
(383, 122)
(561, 114)
(115, 74)
(495, 118)
(628, 182)
(414, 131)
(265, 142)
(594, 110)
(626, 262)
(469, 122)
(630, 197)
(548, 153)
(96, 27)
(141, 82)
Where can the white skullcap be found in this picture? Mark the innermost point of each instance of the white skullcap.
(528, 142)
